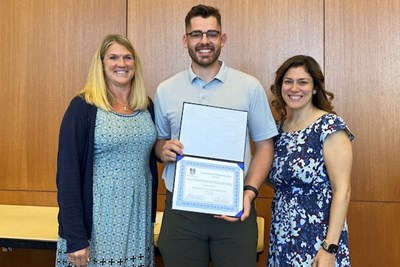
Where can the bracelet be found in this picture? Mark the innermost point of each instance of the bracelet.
(251, 188)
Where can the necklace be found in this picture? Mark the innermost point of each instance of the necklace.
(125, 107)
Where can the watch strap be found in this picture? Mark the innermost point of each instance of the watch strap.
(251, 188)
(328, 247)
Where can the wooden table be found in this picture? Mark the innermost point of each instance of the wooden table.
(28, 227)
(37, 227)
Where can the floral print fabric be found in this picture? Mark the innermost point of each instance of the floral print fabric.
(303, 195)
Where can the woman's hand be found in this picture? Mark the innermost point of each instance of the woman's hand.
(79, 258)
(324, 259)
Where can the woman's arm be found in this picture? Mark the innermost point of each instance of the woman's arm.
(338, 157)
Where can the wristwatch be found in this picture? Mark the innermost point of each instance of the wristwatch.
(331, 248)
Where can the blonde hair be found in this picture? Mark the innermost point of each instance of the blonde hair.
(96, 92)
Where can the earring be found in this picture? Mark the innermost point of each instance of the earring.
(314, 92)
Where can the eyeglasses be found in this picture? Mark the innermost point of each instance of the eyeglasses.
(212, 35)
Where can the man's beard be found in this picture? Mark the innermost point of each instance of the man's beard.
(202, 61)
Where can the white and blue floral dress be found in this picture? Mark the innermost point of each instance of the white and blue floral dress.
(303, 196)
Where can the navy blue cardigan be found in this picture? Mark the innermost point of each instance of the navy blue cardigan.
(75, 173)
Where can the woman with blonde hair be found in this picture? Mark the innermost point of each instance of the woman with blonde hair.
(106, 167)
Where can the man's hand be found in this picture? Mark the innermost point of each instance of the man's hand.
(248, 197)
(167, 150)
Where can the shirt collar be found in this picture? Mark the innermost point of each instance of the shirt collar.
(221, 75)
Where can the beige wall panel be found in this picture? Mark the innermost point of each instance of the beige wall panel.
(362, 69)
(374, 234)
(45, 54)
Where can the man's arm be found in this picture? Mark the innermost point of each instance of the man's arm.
(256, 175)
(258, 172)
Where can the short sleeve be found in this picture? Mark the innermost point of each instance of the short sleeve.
(332, 123)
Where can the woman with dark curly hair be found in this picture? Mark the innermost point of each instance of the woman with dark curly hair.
(310, 171)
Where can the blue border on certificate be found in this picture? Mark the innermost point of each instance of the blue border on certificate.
(233, 209)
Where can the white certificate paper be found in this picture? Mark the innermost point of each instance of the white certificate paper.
(208, 186)
(209, 176)
(213, 132)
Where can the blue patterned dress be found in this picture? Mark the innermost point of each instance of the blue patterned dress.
(303, 195)
(122, 229)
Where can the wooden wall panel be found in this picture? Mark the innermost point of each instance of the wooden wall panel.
(45, 56)
(28, 197)
(374, 234)
(362, 65)
(362, 61)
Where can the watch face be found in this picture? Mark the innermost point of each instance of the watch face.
(332, 248)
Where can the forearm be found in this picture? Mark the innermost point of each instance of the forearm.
(338, 159)
(337, 216)
(158, 148)
(260, 164)
(257, 173)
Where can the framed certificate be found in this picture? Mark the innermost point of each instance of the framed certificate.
(209, 176)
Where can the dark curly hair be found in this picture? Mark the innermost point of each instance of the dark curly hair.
(322, 99)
